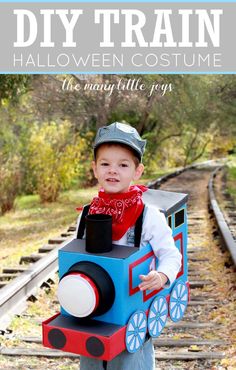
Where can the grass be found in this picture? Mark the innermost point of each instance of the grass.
(232, 181)
(31, 224)
(231, 177)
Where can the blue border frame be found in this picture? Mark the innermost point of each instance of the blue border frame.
(118, 2)
(116, 73)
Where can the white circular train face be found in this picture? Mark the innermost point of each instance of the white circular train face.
(78, 294)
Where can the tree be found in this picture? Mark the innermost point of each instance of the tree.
(10, 162)
(181, 125)
(13, 86)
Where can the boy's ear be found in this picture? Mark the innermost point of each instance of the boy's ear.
(139, 171)
(94, 167)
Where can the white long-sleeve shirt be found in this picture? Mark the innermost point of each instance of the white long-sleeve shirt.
(158, 234)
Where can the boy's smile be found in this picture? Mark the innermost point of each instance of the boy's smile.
(115, 168)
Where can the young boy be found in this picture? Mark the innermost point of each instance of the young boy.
(118, 151)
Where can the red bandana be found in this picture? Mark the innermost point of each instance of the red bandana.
(125, 208)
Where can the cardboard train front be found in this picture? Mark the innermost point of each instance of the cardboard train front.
(103, 312)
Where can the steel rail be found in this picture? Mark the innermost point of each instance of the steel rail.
(22, 287)
(224, 230)
(156, 183)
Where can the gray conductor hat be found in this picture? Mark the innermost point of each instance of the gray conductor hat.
(123, 134)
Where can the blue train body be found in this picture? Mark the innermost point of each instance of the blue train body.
(110, 331)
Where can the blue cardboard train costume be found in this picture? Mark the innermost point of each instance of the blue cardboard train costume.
(106, 334)
(103, 311)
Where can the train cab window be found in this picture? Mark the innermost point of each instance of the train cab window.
(169, 221)
(179, 218)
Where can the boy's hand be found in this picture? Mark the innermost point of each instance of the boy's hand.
(153, 280)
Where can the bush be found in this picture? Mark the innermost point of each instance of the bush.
(54, 157)
(9, 182)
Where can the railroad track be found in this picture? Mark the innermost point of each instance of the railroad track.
(200, 340)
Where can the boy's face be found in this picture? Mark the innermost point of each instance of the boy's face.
(115, 168)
